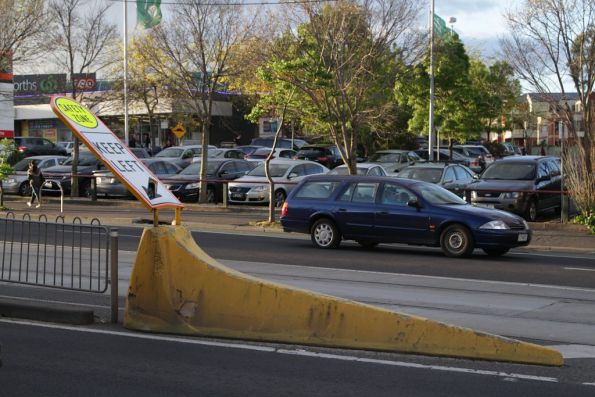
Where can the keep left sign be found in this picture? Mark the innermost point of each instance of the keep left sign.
(116, 156)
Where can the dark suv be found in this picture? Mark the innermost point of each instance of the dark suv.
(34, 146)
(526, 185)
(327, 155)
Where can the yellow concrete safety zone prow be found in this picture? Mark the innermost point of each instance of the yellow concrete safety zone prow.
(175, 287)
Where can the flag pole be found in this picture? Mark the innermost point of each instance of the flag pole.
(126, 135)
(431, 112)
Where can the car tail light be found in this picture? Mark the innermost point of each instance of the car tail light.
(22, 149)
(295, 157)
(284, 209)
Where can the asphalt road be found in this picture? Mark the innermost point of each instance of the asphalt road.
(45, 360)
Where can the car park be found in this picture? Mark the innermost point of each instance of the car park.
(373, 210)
(186, 184)
(525, 185)
(262, 153)
(181, 155)
(60, 175)
(369, 169)
(327, 155)
(18, 182)
(248, 149)
(107, 185)
(254, 187)
(453, 177)
(444, 155)
(394, 161)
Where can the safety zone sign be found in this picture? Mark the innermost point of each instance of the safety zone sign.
(116, 156)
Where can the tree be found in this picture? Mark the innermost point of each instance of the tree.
(197, 43)
(456, 106)
(340, 60)
(6, 149)
(550, 48)
(83, 41)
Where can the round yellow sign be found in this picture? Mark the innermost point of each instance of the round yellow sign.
(76, 112)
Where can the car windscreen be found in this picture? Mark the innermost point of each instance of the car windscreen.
(24, 164)
(276, 170)
(345, 171)
(512, 171)
(170, 152)
(385, 157)
(431, 175)
(437, 195)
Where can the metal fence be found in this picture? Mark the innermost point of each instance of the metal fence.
(73, 256)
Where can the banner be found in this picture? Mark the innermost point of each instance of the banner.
(148, 13)
(440, 28)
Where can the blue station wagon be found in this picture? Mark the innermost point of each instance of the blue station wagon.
(372, 210)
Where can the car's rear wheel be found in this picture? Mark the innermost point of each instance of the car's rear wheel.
(280, 197)
(496, 251)
(531, 211)
(367, 244)
(210, 195)
(324, 234)
(456, 241)
(25, 189)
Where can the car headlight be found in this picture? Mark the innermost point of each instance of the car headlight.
(98, 180)
(526, 224)
(511, 195)
(473, 194)
(495, 225)
(260, 188)
(11, 180)
(195, 185)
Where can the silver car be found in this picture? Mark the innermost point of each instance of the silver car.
(18, 183)
(254, 188)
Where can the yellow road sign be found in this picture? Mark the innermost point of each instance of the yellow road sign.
(179, 130)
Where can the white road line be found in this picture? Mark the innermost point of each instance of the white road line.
(299, 352)
(575, 351)
(579, 269)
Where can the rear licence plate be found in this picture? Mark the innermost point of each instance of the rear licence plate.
(523, 237)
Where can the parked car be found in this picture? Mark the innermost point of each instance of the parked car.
(444, 155)
(18, 183)
(453, 177)
(525, 185)
(369, 169)
(109, 186)
(61, 174)
(254, 188)
(395, 160)
(327, 155)
(140, 152)
(262, 153)
(248, 149)
(68, 145)
(510, 149)
(226, 153)
(181, 155)
(480, 157)
(34, 146)
(282, 143)
(186, 185)
(372, 210)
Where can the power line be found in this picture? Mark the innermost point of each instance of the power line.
(246, 3)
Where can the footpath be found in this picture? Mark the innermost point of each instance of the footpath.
(548, 235)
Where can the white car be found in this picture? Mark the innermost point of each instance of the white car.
(369, 169)
(254, 188)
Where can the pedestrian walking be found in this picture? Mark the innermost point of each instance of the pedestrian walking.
(35, 181)
(542, 151)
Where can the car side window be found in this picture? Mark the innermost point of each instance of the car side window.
(312, 169)
(395, 195)
(554, 169)
(300, 170)
(157, 168)
(229, 168)
(317, 190)
(360, 193)
(449, 174)
(543, 170)
(169, 168)
(462, 174)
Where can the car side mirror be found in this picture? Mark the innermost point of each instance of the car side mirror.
(292, 175)
(448, 181)
(476, 177)
(223, 173)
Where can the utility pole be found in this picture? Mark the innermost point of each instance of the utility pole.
(431, 112)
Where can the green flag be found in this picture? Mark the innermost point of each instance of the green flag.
(148, 13)
(440, 28)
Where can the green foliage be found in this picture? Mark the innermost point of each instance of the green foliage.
(7, 149)
(587, 220)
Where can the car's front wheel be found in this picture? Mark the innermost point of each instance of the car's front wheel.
(531, 211)
(456, 241)
(324, 234)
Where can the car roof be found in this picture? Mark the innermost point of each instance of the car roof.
(47, 156)
(317, 145)
(393, 151)
(431, 164)
(523, 159)
(361, 165)
(362, 178)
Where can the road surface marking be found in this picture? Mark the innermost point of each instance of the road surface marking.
(579, 269)
(297, 352)
(575, 351)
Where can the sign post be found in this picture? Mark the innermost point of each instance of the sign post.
(115, 155)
